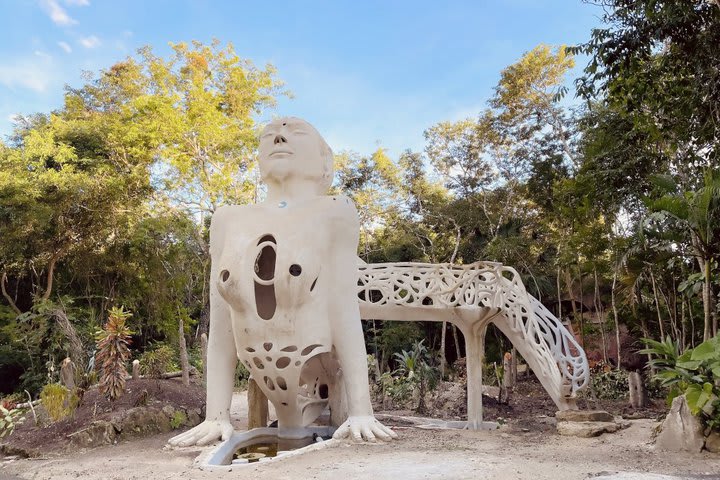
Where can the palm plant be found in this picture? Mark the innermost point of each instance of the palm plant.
(113, 352)
(697, 213)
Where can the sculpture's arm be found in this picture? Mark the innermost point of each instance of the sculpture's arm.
(347, 333)
(222, 360)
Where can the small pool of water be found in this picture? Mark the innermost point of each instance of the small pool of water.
(264, 448)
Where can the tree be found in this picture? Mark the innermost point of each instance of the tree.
(697, 213)
(656, 62)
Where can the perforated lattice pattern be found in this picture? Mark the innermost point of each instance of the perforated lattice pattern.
(486, 285)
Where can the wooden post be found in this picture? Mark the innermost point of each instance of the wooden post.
(638, 395)
(136, 370)
(67, 373)
(257, 406)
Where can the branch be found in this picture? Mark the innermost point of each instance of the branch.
(51, 274)
(6, 295)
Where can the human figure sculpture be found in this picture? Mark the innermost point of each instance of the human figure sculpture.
(283, 296)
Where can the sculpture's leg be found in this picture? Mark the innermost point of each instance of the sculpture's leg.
(475, 348)
(257, 406)
(338, 401)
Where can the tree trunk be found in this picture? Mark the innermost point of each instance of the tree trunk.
(458, 352)
(615, 317)
(657, 306)
(443, 360)
(707, 301)
(559, 295)
(601, 315)
(51, 275)
(184, 365)
(7, 296)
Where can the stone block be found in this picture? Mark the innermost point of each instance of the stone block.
(681, 431)
(712, 442)
(586, 429)
(583, 416)
(98, 433)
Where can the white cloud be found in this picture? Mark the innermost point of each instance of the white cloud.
(43, 55)
(28, 75)
(65, 46)
(90, 42)
(13, 117)
(57, 14)
(77, 3)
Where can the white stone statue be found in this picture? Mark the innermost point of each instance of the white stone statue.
(283, 296)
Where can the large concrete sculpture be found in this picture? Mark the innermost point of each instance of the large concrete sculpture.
(287, 295)
(283, 296)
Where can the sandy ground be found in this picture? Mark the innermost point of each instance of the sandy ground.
(417, 454)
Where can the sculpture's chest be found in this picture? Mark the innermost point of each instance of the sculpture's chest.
(280, 263)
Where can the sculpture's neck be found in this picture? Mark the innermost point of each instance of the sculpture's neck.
(295, 191)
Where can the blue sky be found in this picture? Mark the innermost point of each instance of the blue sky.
(365, 73)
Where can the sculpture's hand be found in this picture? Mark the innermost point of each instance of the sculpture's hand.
(207, 432)
(365, 428)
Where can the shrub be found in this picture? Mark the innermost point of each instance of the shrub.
(178, 419)
(8, 419)
(58, 401)
(695, 374)
(609, 384)
(113, 352)
(157, 361)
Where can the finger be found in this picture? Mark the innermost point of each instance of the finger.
(179, 439)
(342, 431)
(367, 433)
(191, 439)
(209, 438)
(388, 431)
(355, 431)
(380, 431)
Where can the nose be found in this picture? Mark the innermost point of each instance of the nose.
(279, 139)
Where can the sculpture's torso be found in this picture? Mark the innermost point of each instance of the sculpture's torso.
(280, 280)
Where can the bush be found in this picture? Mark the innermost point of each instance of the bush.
(58, 401)
(157, 361)
(242, 375)
(695, 374)
(178, 419)
(609, 384)
(8, 419)
(113, 352)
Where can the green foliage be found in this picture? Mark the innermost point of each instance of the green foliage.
(159, 360)
(9, 418)
(113, 352)
(242, 375)
(178, 419)
(609, 384)
(413, 371)
(58, 401)
(695, 374)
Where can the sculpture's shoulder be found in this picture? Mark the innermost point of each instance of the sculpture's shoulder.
(340, 209)
(224, 217)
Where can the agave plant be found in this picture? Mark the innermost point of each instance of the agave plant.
(113, 352)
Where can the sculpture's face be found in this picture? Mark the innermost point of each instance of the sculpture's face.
(291, 148)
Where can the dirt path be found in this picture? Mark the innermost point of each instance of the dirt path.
(418, 454)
